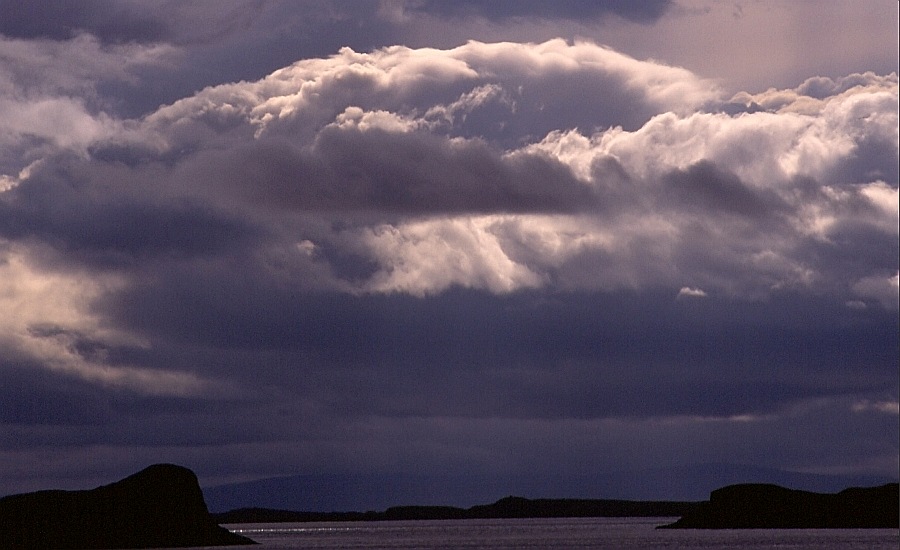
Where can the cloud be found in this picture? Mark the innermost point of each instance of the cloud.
(74, 67)
(50, 98)
(409, 82)
(688, 292)
(62, 122)
(422, 150)
(642, 12)
(126, 21)
(885, 290)
(428, 257)
(426, 252)
(885, 407)
(49, 322)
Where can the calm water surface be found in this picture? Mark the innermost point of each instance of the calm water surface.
(613, 533)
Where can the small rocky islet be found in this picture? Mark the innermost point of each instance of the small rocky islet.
(765, 506)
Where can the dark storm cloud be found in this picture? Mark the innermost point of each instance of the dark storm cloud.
(61, 20)
(213, 41)
(127, 21)
(487, 258)
(111, 222)
(874, 158)
(407, 173)
(586, 355)
(332, 361)
(709, 189)
(52, 401)
(642, 11)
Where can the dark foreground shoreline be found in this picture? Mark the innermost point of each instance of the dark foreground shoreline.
(163, 506)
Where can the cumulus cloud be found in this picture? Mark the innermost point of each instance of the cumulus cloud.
(72, 67)
(485, 236)
(522, 78)
(738, 202)
(49, 98)
(428, 257)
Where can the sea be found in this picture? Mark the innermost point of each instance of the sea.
(494, 534)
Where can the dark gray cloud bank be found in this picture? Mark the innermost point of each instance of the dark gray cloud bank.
(354, 257)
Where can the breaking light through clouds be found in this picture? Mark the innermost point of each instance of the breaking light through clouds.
(489, 236)
(48, 321)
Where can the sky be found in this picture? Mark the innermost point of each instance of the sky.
(266, 238)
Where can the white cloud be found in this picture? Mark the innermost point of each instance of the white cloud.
(356, 118)
(430, 256)
(885, 198)
(763, 148)
(669, 88)
(688, 292)
(7, 182)
(299, 99)
(72, 68)
(459, 138)
(48, 94)
(469, 102)
(775, 155)
(63, 122)
(505, 253)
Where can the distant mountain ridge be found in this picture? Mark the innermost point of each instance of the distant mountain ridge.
(507, 507)
(336, 492)
(743, 506)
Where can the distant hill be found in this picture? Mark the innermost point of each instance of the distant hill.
(508, 507)
(743, 506)
(336, 492)
(765, 506)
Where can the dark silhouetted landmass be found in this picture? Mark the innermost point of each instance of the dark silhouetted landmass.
(517, 507)
(160, 506)
(345, 491)
(764, 506)
(509, 507)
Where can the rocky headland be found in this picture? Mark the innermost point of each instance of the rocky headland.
(160, 506)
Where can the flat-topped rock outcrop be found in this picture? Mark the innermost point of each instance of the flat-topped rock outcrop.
(763, 506)
(160, 506)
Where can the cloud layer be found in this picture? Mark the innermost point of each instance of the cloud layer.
(370, 257)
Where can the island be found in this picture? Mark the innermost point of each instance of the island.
(160, 506)
(765, 506)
